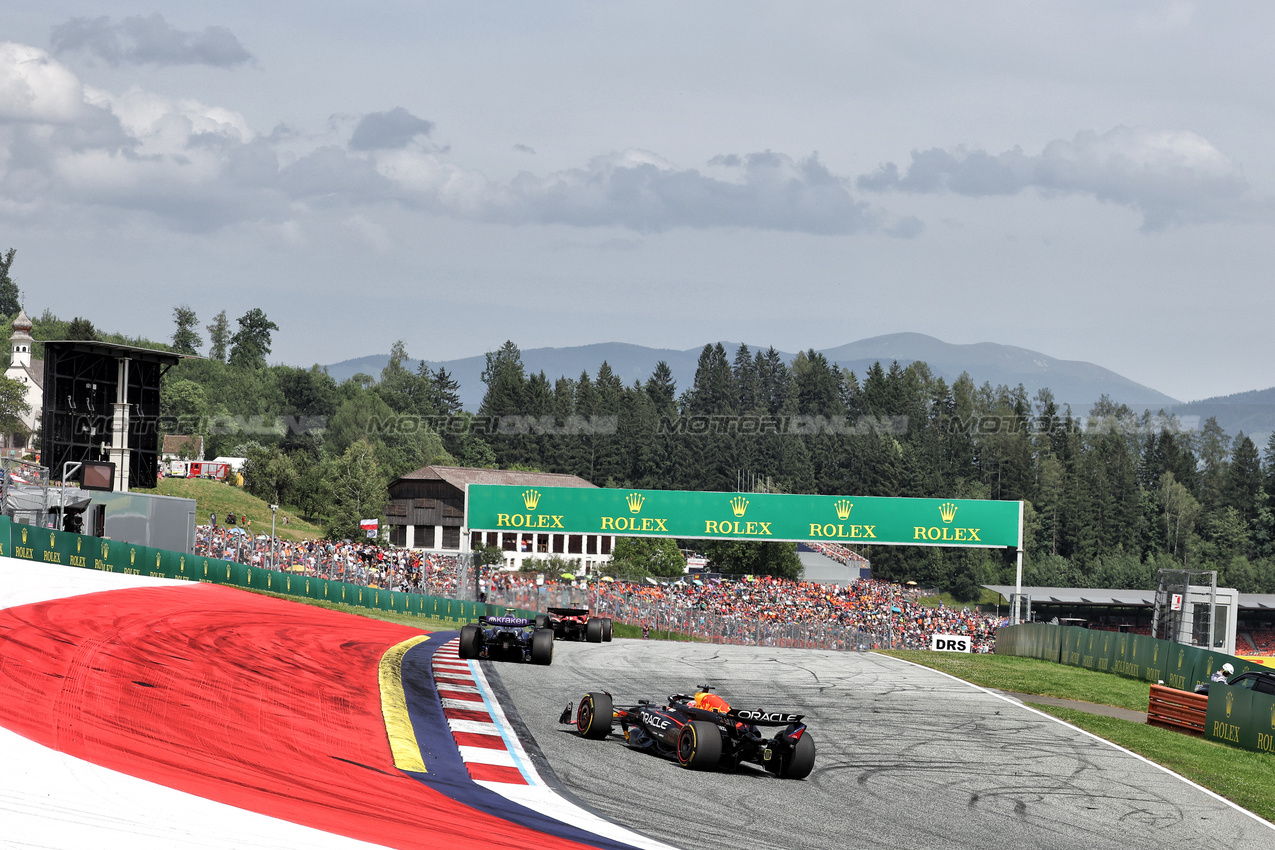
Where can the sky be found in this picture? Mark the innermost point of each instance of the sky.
(1091, 180)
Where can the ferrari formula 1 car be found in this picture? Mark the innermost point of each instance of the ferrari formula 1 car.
(702, 738)
(576, 624)
(508, 638)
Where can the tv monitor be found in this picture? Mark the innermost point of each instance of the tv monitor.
(97, 475)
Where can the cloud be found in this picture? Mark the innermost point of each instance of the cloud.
(201, 167)
(35, 88)
(388, 130)
(151, 40)
(1173, 177)
(525, 149)
(640, 191)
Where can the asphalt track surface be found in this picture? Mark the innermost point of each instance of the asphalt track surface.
(907, 758)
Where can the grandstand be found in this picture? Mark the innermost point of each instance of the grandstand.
(1132, 610)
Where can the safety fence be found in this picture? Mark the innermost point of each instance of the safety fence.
(660, 619)
(66, 548)
(1235, 715)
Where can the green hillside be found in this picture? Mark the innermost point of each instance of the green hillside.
(224, 499)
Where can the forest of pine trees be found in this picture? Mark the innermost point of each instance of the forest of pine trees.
(1111, 498)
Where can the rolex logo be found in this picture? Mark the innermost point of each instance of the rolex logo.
(132, 556)
(843, 508)
(531, 498)
(24, 537)
(78, 541)
(182, 563)
(635, 501)
(947, 510)
(53, 539)
(158, 555)
(106, 550)
(739, 504)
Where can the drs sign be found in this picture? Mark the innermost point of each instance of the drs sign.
(951, 643)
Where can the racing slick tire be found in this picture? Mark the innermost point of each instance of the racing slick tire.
(542, 646)
(593, 630)
(699, 746)
(800, 761)
(606, 629)
(542, 621)
(594, 716)
(471, 641)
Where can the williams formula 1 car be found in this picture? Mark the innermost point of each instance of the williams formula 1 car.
(702, 738)
(508, 638)
(576, 624)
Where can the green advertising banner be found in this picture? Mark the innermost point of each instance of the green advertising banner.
(743, 516)
(1181, 666)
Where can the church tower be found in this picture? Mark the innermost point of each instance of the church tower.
(20, 342)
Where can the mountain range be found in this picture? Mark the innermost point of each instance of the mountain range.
(1073, 382)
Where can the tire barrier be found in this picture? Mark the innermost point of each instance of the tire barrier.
(1235, 716)
(49, 546)
(1180, 711)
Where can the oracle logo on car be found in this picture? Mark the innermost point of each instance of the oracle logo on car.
(951, 643)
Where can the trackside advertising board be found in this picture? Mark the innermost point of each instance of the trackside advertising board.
(743, 516)
(951, 643)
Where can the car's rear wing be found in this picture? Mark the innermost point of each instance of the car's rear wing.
(569, 612)
(763, 718)
(515, 622)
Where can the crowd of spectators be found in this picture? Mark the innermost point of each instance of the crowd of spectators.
(406, 570)
(876, 612)
(838, 553)
(868, 611)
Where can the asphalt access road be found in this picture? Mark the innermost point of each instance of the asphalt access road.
(907, 758)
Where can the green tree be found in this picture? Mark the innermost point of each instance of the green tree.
(269, 474)
(1180, 513)
(218, 337)
(9, 298)
(1244, 478)
(81, 328)
(251, 343)
(446, 398)
(636, 557)
(356, 487)
(489, 556)
(13, 406)
(184, 406)
(740, 557)
(186, 339)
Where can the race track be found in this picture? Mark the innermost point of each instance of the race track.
(907, 758)
(151, 713)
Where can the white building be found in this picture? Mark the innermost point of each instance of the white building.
(427, 511)
(29, 372)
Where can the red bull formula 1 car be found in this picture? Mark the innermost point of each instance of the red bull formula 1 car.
(702, 732)
(577, 624)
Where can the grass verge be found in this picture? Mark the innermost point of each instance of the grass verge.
(1033, 676)
(1240, 776)
(624, 630)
